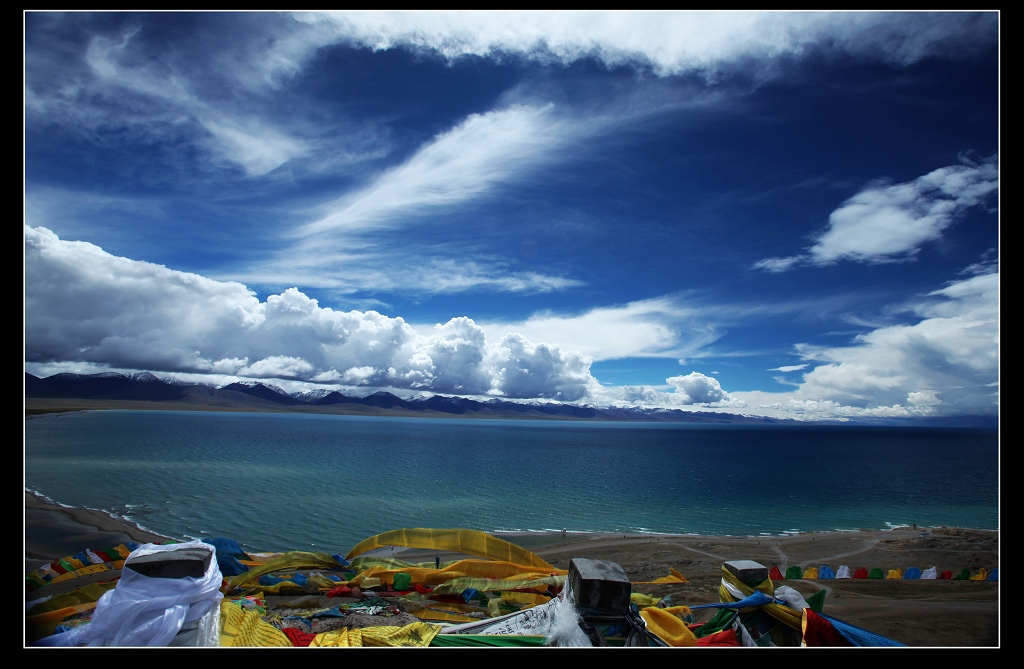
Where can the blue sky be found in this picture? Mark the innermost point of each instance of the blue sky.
(784, 214)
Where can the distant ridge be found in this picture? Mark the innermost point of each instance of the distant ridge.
(143, 386)
(146, 390)
(269, 393)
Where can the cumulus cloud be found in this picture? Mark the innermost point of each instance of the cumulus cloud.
(890, 222)
(525, 370)
(696, 388)
(945, 362)
(693, 391)
(86, 306)
(641, 395)
(278, 366)
(83, 305)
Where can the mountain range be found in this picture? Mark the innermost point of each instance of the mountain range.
(111, 390)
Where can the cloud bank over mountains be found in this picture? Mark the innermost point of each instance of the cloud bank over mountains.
(93, 311)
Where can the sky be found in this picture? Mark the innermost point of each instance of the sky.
(788, 214)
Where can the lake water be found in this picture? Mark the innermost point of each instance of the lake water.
(278, 482)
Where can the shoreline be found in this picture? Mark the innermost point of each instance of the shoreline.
(53, 531)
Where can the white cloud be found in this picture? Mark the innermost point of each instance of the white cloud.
(458, 165)
(85, 306)
(222, 95)
(691, 392)
(400, 269)
(224, 365)
(667, 42)
(161, 98)
(776, 264)
(527, 370)
(276, 366)
(639, 395)
(885, 222)
(221, 72)
(698, 388)
(253, 144)
(889, 222)
(945, 363)
(342, 249)
(658, 327)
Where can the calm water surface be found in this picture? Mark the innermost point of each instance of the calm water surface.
(278, 482)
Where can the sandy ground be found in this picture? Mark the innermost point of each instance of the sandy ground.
(917, 613)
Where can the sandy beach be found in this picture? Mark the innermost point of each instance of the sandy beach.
(917, 613)
(53, 531)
